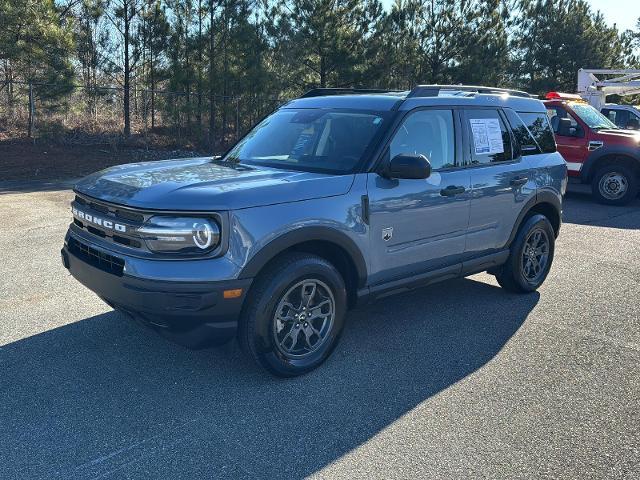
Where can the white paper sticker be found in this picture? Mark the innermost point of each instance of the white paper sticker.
(487, 136)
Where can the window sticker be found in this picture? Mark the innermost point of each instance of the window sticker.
(487, 136)
(302, 144)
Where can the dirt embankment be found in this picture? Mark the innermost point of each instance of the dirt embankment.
(23, 160)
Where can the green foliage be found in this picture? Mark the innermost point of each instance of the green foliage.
(211, 53)
(445, 41)
(324, 42)
(36, 44)
(555, 38)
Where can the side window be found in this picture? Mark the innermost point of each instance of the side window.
(619, 117)
(429, 133)
(524, 138)
(490, 139)
(622, 118)
(555, 114)
(538, 126)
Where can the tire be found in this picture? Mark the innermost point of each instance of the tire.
(519, 273)
(614, 185)
(293, 345)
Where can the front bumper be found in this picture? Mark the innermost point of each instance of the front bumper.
(193, 313)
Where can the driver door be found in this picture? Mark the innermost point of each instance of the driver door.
(418, 225)
(572, 144)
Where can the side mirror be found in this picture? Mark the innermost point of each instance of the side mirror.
(409, 166)
(564, 127)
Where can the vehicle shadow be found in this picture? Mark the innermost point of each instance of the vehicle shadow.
(580, 208)
(106, 397)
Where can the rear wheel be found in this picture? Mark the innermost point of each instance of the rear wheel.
(530, 258)
(294, 315)
(615, 185)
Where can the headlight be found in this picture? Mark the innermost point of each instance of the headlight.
(180, 234)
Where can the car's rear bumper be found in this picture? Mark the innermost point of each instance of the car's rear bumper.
(192, 313)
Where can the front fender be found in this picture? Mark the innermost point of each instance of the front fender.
(588, 169)
(301, 235)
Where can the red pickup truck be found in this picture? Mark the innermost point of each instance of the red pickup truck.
(595, 149)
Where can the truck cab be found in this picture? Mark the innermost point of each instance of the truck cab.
(624, 116)
(597, 151)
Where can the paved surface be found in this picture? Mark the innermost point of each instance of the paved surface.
(458, 380)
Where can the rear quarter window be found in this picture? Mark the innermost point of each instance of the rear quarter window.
(540, 129)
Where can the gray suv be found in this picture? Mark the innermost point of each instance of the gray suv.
(338, 198)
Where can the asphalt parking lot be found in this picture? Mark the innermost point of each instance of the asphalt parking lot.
(455, 381)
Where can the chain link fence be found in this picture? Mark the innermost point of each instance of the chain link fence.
(95, 115)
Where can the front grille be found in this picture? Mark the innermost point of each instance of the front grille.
(103, 261)
(107, 209)
(112, 213)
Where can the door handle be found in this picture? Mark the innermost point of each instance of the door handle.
(519, 181)
(452, 190)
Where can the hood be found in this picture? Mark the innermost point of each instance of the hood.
(198, 184)
(619, 134)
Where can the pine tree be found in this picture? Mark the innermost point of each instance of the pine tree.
(124, 15)
(35, 47)
(35, 41)
(484, 58)
(154, 33)
(554, 39)
(227, 60)
(325, 40)
(91, 39)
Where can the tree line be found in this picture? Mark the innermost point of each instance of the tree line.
(212, 51)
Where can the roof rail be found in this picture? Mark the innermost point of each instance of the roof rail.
(434, 90)
(319, 92)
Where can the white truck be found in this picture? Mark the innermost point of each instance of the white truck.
(595, 84)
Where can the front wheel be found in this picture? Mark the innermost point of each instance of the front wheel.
(294, 315)
(530, 258)
(615, 185)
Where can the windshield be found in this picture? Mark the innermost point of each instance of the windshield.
(593, 118)
(321, 140)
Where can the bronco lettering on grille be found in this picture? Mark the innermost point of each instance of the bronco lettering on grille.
(101, 222)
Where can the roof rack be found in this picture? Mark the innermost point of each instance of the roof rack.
(319, 92)
(434, 90)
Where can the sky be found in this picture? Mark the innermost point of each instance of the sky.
(624, 13)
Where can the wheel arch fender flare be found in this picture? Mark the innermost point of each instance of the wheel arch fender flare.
(543, 197)
(589, 167)
(299, 236)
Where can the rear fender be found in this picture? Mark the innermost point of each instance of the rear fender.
(542, 197)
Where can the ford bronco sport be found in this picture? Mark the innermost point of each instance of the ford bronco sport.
(597, 151)
(339, 197)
